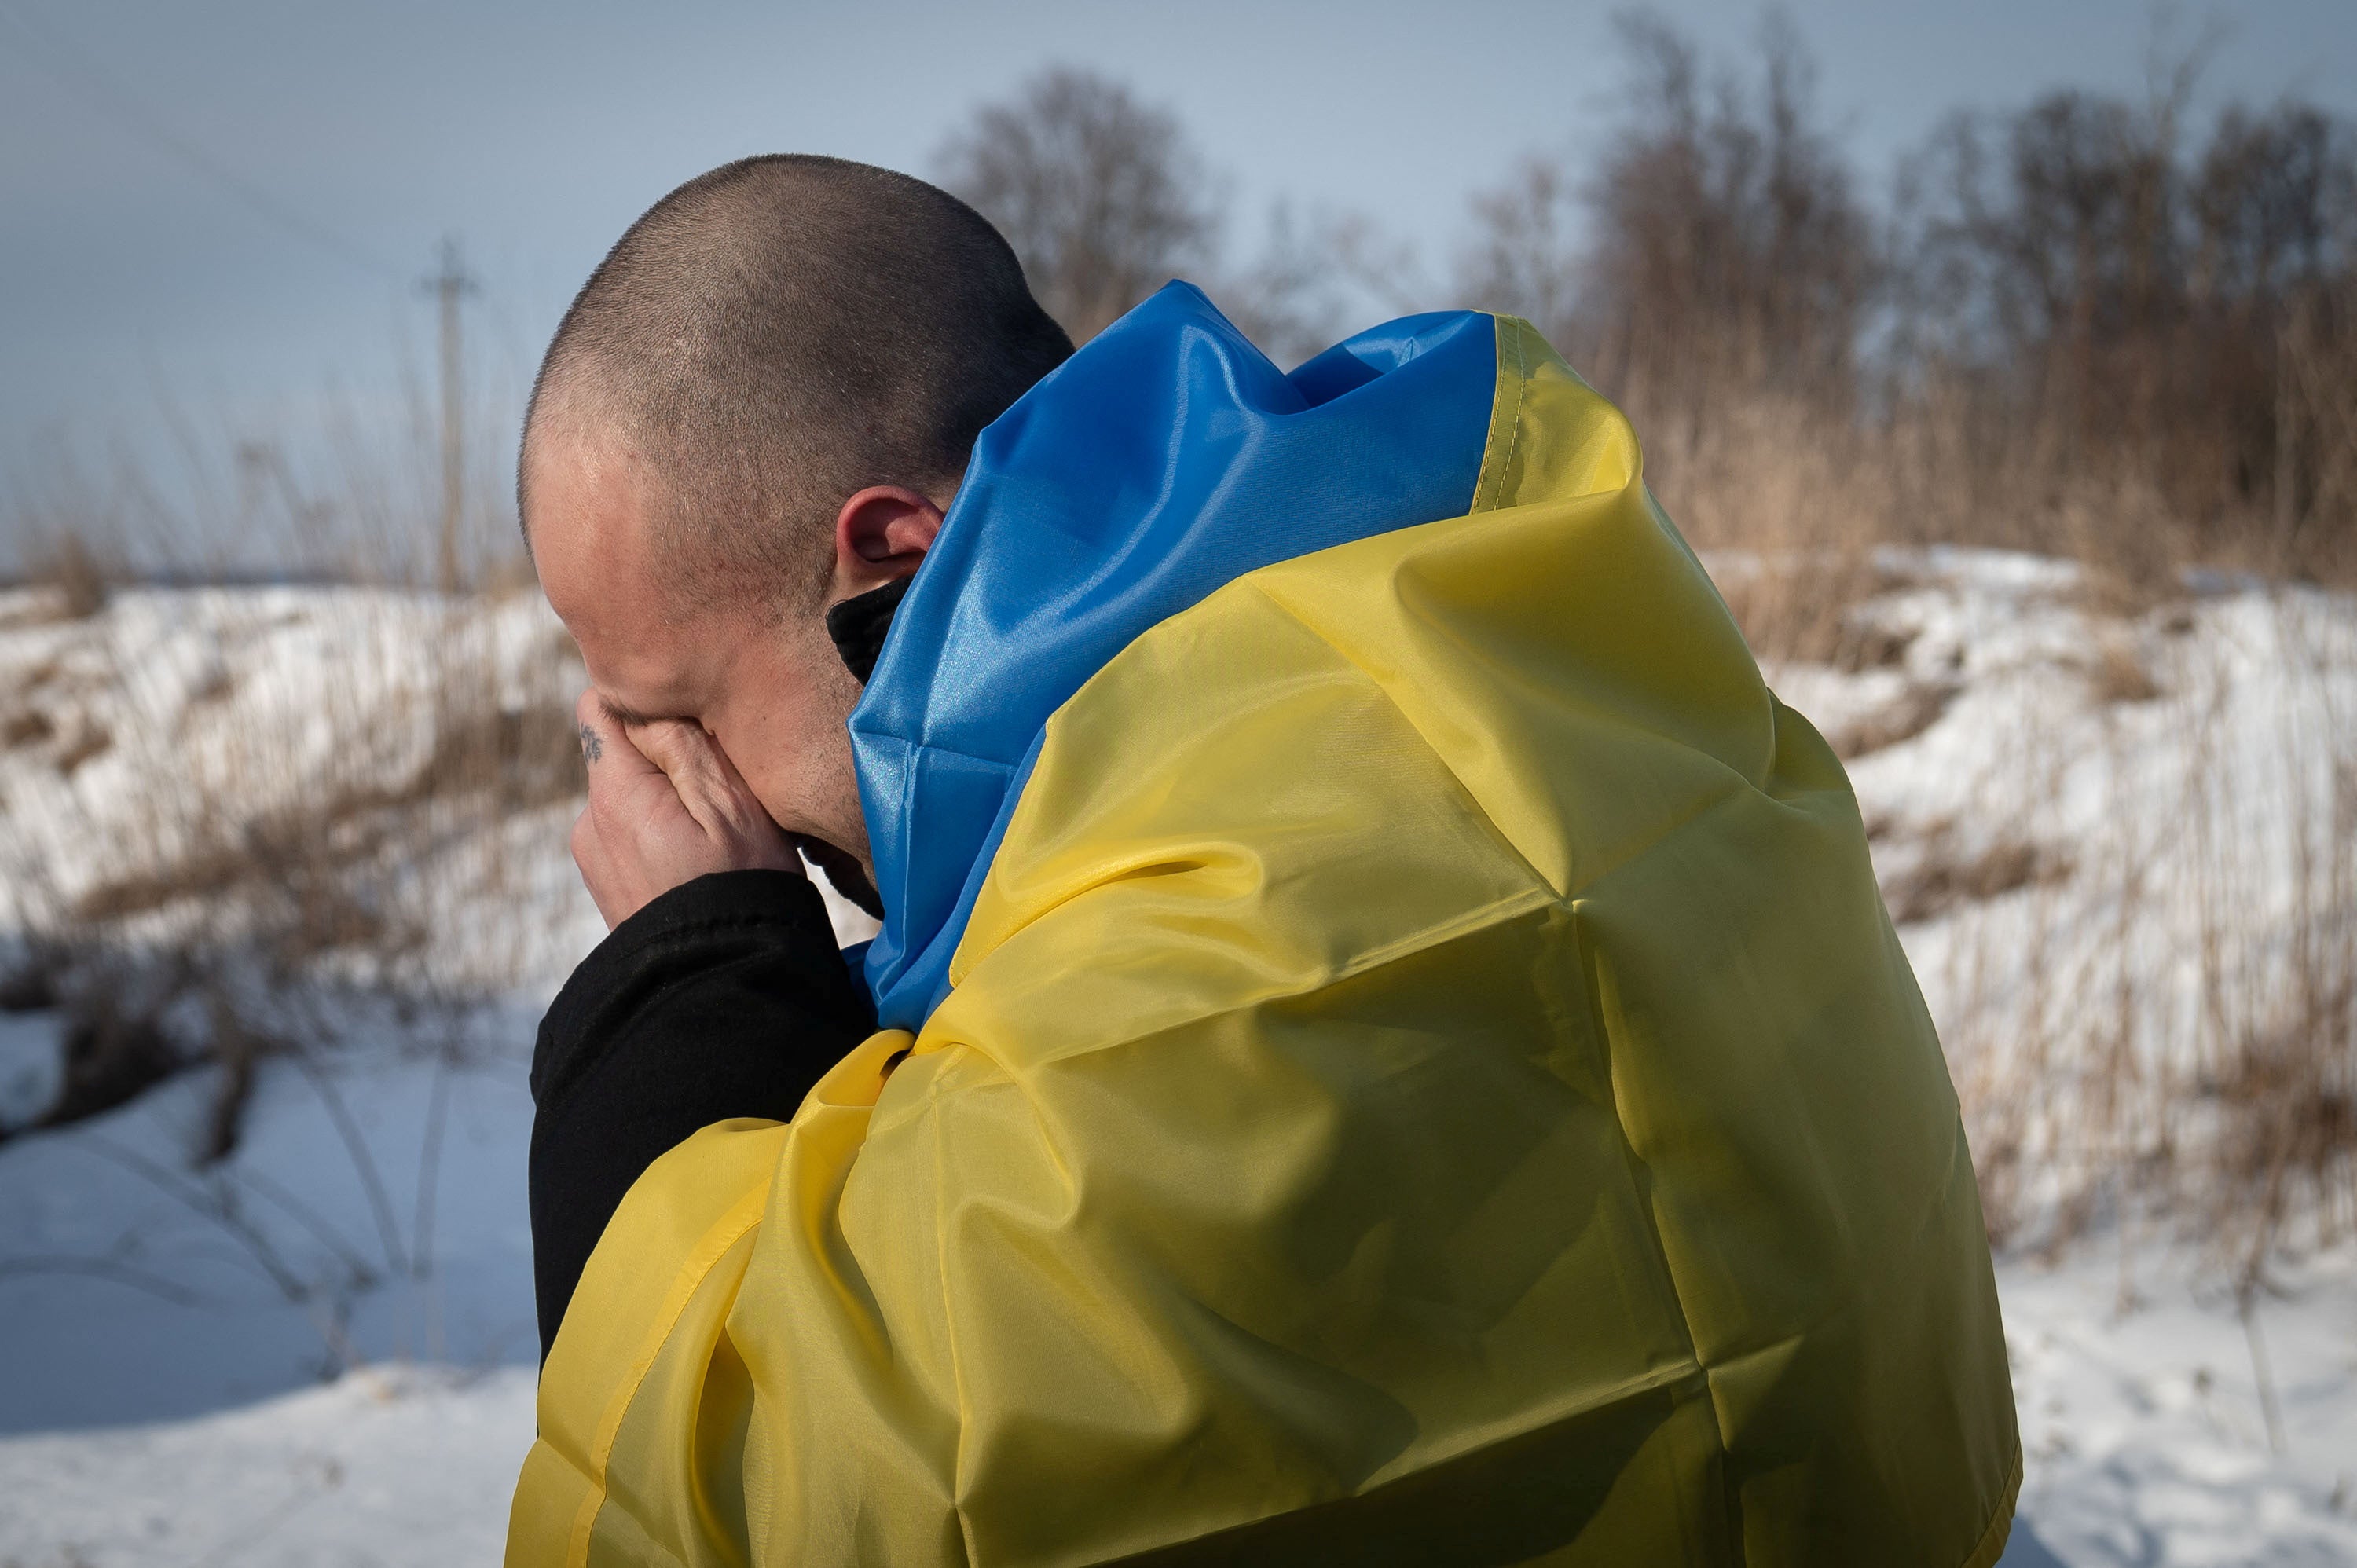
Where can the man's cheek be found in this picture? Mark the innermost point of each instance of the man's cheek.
(742, 746)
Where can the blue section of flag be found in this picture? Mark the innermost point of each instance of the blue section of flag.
(1165, 459)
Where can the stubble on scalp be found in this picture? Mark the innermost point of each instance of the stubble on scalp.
(773, 337)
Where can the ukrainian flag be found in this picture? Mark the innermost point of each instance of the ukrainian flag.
(1406, 1060)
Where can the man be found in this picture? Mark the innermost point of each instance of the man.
(1383, 1044)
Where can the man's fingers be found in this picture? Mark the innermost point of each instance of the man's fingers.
(708, 783)
(714, 793)
(604, 745)
(589, 854)
(682, 751)
(666, 806)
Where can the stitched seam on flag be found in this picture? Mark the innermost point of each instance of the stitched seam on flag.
(725, 1233)
(1515, 421)
(1984, 1553)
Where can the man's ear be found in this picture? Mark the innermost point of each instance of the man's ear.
(880, 536)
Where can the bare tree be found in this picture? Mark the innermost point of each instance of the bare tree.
(1719, 242)
(1319, 273)
(1102, 196)
(2106, 300)
(1527, 256)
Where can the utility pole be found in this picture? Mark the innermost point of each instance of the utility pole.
(448, 285)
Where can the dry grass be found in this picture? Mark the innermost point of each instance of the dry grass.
(25, 726)
(1946, 876)
(2120, 674)
(247, 867)
(78, 572)
(1919, 706)
(212, 852)
(261, 873)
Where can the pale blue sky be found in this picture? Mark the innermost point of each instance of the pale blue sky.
(537, 130)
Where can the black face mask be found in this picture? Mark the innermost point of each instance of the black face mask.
(857, 627)
(842, 871)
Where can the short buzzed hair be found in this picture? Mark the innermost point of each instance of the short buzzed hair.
(784, 331)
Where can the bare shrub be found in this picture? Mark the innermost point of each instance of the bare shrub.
(1719, 242)
(115, 1050)
(2099, 304)
(1105, 197)
(2094, 333)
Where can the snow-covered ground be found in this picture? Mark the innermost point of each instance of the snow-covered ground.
(306, 1356)
(2144, 1436)
(2121, 846)
(319, 1350)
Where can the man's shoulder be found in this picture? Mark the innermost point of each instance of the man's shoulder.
(1232, 809)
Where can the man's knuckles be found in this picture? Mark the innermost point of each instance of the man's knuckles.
(687, 755)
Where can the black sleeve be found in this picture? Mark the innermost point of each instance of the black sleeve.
(725, 997)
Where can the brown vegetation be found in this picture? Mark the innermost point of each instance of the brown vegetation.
(2085, 326)
(1946, 876)
(1919, 706)
(247, 883)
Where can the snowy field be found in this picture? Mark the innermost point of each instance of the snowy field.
(319, 1350)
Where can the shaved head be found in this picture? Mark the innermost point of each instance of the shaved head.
(781, 333)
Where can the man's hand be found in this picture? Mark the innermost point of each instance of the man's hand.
(666, 806)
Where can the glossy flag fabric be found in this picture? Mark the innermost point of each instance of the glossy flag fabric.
(1165, 462)
(1405, 1060)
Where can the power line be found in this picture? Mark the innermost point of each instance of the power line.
(70, 65)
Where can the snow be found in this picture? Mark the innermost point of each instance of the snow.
(2113, 849)
(323, 1243)
(320, 1348)
(251, 1368)
(30, 1071)
(2145, 1436)
(182, 735)
(394, 1465)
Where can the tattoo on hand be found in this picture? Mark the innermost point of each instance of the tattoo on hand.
(591, 747)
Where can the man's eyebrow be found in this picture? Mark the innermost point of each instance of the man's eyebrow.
(626, 717)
